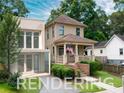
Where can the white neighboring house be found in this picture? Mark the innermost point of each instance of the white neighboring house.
(33, 59)
(112, 50)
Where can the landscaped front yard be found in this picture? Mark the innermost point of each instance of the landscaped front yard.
(84, 88)
(117, 82)
(4, 88)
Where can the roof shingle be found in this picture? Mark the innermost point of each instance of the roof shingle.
(67, 20)
(74, 39)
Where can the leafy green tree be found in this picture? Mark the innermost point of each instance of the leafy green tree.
(117, 23)
(84, 11)
(9, 37)
(15, 7)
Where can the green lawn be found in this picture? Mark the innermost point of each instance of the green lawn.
(4, 88)
(117, 82)
(86, 88)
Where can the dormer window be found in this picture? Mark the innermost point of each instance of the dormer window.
(78, 31)
(61, 30)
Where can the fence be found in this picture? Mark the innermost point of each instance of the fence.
(114, 68)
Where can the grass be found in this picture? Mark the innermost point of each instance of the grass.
(116, 81)
(4, 88)
(86, 88)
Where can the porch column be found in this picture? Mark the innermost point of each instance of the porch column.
(65, 55)
(76, 54)
(93, 55)
(55, 52)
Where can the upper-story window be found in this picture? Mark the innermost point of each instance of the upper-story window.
(28, 39)
(47, 34)
(36, 39)
(78, 31)
(121, 51)
(61, 30)
(21, 40)
(53, 34)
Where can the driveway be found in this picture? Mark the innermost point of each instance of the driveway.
(55, 85)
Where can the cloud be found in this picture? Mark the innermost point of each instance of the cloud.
(107, 5)
(40, 9)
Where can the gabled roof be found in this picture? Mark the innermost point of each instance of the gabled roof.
(74, 39)
(31, 24)
(103, 44)
(100, 44)
(63, 19)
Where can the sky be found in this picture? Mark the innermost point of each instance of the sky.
(40, 9)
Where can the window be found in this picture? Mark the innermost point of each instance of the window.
(121, 51)
(36, 40)
(91, 52)
(101, 51)
(53, 50)
(78, 31)
(28, 62)
(61, 30)
(21, 40)
(28, 39)
(53, 31)
(47, 34)
(21, 63)
(61, 51)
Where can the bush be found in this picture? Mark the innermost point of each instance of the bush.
(94, 66)
(62, 71)
(4, 75)
(12, 82)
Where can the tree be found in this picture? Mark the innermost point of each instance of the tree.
(86, 12)
(9, 37)
(117, 23)
(15, 7)
(119, 5)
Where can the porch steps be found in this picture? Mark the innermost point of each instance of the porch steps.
(76, 67)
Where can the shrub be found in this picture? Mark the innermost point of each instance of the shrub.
(62, 71)
(94, 66)
(12, 82)
(4, 75)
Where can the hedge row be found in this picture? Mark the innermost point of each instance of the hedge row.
(94, 66)
(62, 71)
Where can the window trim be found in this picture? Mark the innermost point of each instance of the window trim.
(78, 31)
(61, 28)
(121, 51)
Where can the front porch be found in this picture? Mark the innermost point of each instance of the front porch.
(66, 53)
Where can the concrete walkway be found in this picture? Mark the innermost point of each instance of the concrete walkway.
(55, 85)
(118, 90)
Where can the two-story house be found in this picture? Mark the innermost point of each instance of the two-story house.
(33, 57)
(65, 39)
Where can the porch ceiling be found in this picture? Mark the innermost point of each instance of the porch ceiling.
(70, 38)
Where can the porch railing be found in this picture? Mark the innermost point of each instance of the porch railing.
(84, 58)
(59, 59)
